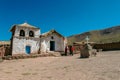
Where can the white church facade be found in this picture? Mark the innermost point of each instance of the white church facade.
(27, 39)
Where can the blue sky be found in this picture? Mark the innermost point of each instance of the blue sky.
(68, 17)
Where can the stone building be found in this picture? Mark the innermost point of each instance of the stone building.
(27, 39)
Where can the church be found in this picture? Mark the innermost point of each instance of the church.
(27, 39)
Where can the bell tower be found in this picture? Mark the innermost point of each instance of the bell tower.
(25, 39)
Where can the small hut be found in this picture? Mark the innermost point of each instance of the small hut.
(4, 48)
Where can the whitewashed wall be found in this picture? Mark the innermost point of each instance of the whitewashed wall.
(36, 31)
(45, 43)
(20, 43)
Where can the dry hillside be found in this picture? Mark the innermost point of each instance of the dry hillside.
(101, 36)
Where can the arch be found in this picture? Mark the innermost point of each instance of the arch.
(31, 34)
(22, 33)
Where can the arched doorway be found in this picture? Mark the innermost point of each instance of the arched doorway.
(28, 49)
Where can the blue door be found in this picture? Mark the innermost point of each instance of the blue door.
(28, 49)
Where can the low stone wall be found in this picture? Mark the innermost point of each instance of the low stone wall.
(108, 46)
(2, 51)
(27, 56)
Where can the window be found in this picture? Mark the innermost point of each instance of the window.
(52, 37)
(31, 34)
(22, 33)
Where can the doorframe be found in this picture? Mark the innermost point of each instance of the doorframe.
(52, 46)
(26, 50)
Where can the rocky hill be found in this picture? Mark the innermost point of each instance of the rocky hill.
(100, 36)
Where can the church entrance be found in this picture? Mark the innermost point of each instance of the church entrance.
(28, 49)
(52, 45)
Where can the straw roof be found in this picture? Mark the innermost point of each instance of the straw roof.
(84, 42)
(24, 25)
(51, 32)
(4, 42)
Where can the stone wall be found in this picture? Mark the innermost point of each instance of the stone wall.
(108, 46)
(2, 51)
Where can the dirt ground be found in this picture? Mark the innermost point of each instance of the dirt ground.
(105, 66)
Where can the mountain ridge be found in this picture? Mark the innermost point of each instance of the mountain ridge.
(107, 35)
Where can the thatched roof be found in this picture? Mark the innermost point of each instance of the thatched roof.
(80, 43)
(4, 42)
(24, 25)
(51, 32)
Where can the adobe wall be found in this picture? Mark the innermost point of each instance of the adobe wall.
(19, 45)
(45, 43)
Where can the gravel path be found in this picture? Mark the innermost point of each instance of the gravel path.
(105, 66)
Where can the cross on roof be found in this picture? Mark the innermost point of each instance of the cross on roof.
(87, 39)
